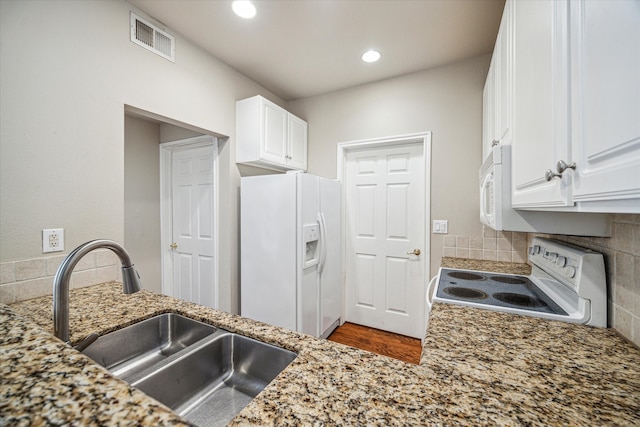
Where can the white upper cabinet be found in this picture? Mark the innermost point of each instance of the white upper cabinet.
(497, 90)
(268, 136)
(576, 105)
(488, 111)
(504, 79)
(540, 100)
(273, 141)
(605, 90)
(297, 147)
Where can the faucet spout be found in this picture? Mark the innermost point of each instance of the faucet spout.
(130, 280)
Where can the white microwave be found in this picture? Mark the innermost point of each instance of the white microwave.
(497, 213)
(495, 190)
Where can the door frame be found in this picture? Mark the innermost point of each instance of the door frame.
(343, 148)
(166, 210)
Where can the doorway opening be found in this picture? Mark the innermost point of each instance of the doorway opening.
(146, 233)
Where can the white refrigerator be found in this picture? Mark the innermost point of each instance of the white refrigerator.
(290, 252)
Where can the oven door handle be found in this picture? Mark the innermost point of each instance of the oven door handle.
(429, 298)
(483, 196)
(429, 304)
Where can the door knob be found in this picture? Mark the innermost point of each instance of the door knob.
(174, 245)
(414, 252)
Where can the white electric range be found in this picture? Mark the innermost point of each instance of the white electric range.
(567, 283)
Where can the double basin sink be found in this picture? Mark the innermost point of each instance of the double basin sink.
(203, 373)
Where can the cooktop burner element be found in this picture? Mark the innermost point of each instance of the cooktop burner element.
(519, 299)
(465, 275)
(465, 293)
(493, 289)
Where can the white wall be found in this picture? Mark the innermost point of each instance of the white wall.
(142, 198)
(446, 101)
(170, 133)
(67, 69)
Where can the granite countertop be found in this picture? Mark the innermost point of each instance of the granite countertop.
(481, 265)
(478, 368)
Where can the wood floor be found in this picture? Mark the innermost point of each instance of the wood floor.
(389, 344)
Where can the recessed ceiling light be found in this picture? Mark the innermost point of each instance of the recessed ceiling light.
(244, 9)
(371, 56)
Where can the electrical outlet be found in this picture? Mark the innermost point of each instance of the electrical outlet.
(440, 226)
(52, 240)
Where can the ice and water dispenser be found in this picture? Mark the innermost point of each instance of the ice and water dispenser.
(311, 235)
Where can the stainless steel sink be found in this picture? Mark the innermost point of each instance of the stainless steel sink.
(133, 349)
(211, 384)
(204, 374)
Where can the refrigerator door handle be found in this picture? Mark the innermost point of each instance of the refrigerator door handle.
(323, 242)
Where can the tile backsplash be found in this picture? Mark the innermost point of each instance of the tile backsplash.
(493, 245)
(31, 278)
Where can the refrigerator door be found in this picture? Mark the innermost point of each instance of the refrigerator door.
(268, 246)
(307, 211)
(331, 288)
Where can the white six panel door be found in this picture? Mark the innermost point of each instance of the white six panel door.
(193, 198)
(385, 224)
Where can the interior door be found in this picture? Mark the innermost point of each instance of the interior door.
(385, 247)
(193, 230)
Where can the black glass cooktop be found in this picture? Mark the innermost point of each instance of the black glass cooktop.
(493, 289)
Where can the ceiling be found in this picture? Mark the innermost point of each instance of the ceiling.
(301, 48)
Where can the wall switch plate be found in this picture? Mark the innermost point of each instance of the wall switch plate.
(52, 240)
(440, 226)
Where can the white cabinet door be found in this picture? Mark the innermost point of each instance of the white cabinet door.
(497, 90)
(503, 81)
(273, 144)
(297, 149)
(488, 110)
(540, 116)
(605, 46)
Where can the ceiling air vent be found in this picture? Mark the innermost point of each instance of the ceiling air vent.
(153, 38)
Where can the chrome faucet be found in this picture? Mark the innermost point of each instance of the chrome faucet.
(130, 280)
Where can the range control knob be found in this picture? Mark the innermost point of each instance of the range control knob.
(553, 257)
(534, 250)
(570, 272)
(561, 261)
